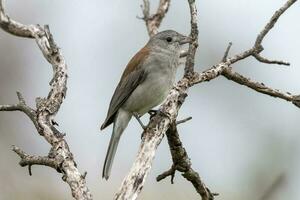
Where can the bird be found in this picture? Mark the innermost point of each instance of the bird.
(144, 84)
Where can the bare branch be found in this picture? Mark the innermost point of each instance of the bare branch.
(217, 70)
(12, 26)
(226, 52)
(29, 160)
(265, 31)
(153, 21)
(183, 120)
(190, 59)
(21, 106)
(296, 100)
(254, 51)
(60, 156)
(259, 87)
(265, 60)
(14, 107)
(274, 187)
(170, 172)
(158, 125)
(182, 163)
(272, 22)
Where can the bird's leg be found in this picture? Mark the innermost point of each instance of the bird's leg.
(137, 116)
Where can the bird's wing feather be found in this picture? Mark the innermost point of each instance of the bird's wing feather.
(132, 76)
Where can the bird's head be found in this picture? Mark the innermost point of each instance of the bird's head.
(169, 40)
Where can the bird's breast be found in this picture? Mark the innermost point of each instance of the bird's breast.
(155, 88)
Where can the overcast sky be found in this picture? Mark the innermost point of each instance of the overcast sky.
(239, 141)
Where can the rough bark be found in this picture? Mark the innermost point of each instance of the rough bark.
(60, 157)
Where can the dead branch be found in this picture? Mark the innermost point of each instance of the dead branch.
(160, 124)
(153, 21)
(190, 58)
(60, 156)
(260, 87)
(182, 163)
(278, 183)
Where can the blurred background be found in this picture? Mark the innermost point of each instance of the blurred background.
(241, 142)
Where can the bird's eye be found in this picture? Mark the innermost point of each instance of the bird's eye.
(169, 39)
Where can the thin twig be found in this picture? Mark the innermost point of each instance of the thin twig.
(190, 59)
(183, 120)
(274, 187)
(29, 160)
(266, 60)
(259, 87)
(153, 21)
(226, 52)
(170, 172)
(265, 31)
(182, 163)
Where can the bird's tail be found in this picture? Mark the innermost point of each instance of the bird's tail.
(120, 123)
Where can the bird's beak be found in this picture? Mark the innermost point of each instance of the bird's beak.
(185, 40)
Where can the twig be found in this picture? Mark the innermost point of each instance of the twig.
(274, 187)
(254, 51)
(183, 120)
(265, 60)
(21, 106)
(226, 52)
(259, 87)
(272, 22)
(153, 21)
(265, 31)
(190, 59)
(12, 26)
(182, 163)
(29, 160)
(170, 172)
(60, 156)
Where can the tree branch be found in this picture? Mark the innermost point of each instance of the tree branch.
(12, 26)
(60, 156)
(182, 163)
(159, 124)
(21, 106)
(29, 160)
(190, 59)
(153, 21)
(183, 120)
(259, 87)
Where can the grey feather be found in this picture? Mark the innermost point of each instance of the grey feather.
(121, 121)
(122, 92)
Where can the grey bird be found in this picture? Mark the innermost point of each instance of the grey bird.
(145, 83)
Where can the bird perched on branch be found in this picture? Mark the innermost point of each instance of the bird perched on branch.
(145, 83)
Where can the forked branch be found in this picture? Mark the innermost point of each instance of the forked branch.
(60, 156)
(160, 124)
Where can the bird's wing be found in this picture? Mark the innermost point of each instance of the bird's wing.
(132, 76)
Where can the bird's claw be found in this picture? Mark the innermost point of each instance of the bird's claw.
(152, 113)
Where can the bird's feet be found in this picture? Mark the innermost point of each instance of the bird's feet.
(137, 116)
(152, 113)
